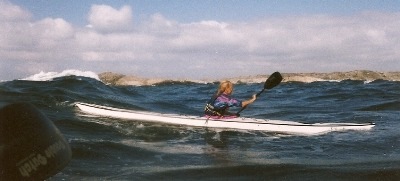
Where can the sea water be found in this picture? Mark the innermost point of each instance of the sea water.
(116, 149)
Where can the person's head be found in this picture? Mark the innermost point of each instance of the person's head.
(225, 87)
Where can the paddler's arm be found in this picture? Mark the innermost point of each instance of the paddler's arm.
(247, 102)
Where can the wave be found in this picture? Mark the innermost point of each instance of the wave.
(387, 106)
(49, 76)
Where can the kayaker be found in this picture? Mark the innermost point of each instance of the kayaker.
(219, 103)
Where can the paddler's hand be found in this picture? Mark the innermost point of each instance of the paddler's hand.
(254, 97)
(247, 102)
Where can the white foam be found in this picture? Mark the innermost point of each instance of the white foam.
(368, 81)
(48, 76)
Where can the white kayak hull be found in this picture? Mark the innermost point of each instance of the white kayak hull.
(277, 126)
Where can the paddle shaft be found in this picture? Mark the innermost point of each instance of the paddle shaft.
(243, 108)
(270, 83)
(258, 94)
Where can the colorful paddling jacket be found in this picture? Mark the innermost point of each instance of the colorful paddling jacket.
(217, 106)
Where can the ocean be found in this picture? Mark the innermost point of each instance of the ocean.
(115, 149)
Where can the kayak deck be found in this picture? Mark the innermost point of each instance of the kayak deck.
(278, 126)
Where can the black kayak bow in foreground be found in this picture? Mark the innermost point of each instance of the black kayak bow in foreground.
(272, 81)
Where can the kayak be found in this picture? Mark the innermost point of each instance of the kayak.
(240, 123)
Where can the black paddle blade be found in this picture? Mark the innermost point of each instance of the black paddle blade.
(273, 80)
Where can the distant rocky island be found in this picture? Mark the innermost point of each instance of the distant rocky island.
(363, 75)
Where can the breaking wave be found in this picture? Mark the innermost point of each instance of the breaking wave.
(49, 76)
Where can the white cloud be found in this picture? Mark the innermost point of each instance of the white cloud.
(107, 19)
(55, 29)
(52, 37)
(14, 27)
(35, 41)
(163, 47)
(10, 12)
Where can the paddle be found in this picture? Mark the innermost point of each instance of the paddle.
(272, 81)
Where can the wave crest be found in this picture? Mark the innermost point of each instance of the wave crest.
(49, 76)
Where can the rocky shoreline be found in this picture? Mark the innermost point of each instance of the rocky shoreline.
(363, 75)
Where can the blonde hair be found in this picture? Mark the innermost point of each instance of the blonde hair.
(223, 86)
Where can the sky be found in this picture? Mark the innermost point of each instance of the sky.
(192, 39)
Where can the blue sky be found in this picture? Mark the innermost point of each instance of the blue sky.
(220, 10)
(198, 39)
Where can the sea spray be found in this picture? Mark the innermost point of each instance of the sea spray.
(48, 76)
